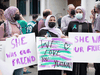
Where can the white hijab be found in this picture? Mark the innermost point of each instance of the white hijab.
(54, 29)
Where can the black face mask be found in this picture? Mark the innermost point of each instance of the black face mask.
(52, 24)
(73, 12)
(17, 17)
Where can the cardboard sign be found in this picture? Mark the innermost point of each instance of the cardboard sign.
(21, 52)
(54, 53)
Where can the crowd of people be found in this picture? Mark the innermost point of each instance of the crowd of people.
(12, 23)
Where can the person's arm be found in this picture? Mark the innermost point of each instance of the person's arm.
(21, 17)
(93, 17)
(39, 34)
(2, 38)
(63, 24)
(90, 27)
(97, 29)
(69, 29)
(35, 30)
(40, 25)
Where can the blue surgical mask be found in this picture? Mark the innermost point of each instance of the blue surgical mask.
(79, 16)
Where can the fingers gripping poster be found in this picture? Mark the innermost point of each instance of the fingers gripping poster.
(21, 51)
(54, 53)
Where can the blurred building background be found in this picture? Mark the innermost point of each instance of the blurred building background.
(58, 7)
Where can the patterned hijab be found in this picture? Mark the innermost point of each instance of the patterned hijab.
(9, 15)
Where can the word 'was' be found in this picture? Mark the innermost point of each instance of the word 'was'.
(11, 54)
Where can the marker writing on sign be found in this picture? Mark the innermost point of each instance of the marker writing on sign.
(44, 59)
(93, 48)
(61, 64)
(51, 52)
(96, 39)
(11, 54)
(48, 44)
(78, 49)
(18, 42)
(23, 60)
(81, 39)
(22, 52)
(67, 46)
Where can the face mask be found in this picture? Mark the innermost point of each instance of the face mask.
(17, 17)
(79, 16)
(73, 12)
(52, 24)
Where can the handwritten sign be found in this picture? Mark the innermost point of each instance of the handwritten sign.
(86, 47)
(21, 51)
(54, 53)
(2, 50)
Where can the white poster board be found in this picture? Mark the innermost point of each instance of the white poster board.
(54, 53)
(86, 47)
(5, 68)
(21, 52)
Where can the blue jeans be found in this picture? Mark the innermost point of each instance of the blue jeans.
(18, 71)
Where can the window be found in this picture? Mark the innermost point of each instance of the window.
(21, 4)
(34, 7)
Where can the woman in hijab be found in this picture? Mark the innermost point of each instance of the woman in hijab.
(11, 27)
(79, 24)
(50, 31)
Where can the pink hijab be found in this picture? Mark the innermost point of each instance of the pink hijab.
(9, 13)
